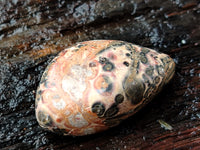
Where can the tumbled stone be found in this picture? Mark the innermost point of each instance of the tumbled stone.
(94, 85)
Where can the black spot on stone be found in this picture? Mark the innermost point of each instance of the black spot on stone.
(138, 65)
(76, 50)
(103, 50)
(163, 61)
(98, 108)
(132, 58)
(38, 99)
(102, 60)
(145, 50)
(128, 55)
(109, 84)
(43, 79)
(156, 80)
(126, 63)
(149, 71)
(119, 98)
(109, 88)
(39, 92)
(143, 59)
(111, 111)
(81, 45)
(46, 84)
(92, 64)
(128, 47)
(44, 118)
(118, 44)
(36, 102)
(142, 54)
(108, 66)
(153, 86)
(134, 91)
(124, 82)
(112, 56)
(145, 78)
(112, 46)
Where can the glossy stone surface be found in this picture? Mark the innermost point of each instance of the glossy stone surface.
(94, 85)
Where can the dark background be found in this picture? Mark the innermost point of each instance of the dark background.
(33, 32)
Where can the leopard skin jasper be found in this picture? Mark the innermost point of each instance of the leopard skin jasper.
(94, 85)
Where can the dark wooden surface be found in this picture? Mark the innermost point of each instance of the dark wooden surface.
(33, 32)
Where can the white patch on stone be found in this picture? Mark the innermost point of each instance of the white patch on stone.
(77, 121)
(161, 70)
(67, 112)
(80, 71)
(74, 84)
(60, 104)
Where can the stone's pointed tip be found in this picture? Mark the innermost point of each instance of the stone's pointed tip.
(169, 69)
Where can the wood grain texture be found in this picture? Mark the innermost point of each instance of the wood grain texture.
(33, 32)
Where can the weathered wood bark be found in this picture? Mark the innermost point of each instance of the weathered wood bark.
(32, 32)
